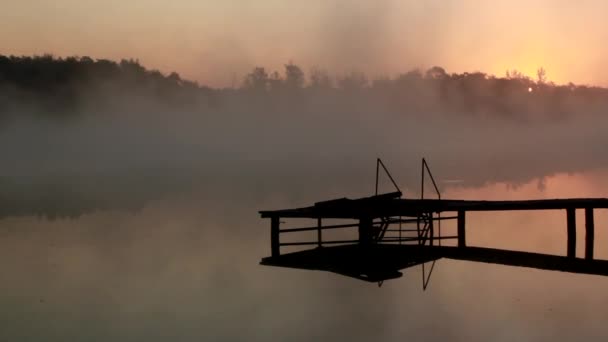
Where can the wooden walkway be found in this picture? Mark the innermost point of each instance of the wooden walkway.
(375, 255)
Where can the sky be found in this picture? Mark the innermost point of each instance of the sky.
(218, 42)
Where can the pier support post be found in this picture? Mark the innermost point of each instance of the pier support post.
(319, 233)
(571, 222)
(274, 236)
(589, 233)
(431, 229)
(461, 229)
(365, 230)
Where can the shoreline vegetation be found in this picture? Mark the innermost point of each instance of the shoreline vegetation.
(60, 85)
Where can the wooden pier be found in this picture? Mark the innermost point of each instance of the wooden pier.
(372, 255)
(387, 233)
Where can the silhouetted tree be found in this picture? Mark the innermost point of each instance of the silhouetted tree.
(275, 81)
(353, 81)
(294, 76)
(319, 79)
(257, 79)
(174, 77)
(436, 73)
(541, 75)
(59, 85)
(409, 77)
(515, 74)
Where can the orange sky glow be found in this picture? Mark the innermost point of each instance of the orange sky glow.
(216, 43)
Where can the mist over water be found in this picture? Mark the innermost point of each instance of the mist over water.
(186, 268)
(135, 216)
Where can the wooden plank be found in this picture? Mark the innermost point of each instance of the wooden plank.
(275, 243)
(461, 229)
(319, 233)
(366, 231)
(431, 230)
(343, 200)
(387, 207)
(589, 233)
(408, 207)
(571, 222)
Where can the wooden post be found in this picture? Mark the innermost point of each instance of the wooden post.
(461, 230)
(431, 229)
(275, 247)
(365, 230)
(571, 221)
(589, 233)
(319, 233)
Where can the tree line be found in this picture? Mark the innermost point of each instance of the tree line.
(62, 83)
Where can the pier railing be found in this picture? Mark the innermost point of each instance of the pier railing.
(364, 229)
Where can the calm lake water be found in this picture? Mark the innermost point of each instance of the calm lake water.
(186, 269)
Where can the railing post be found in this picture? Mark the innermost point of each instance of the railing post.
(431, 229)
(461, 229)
(571, 222)
(589, 233)
(365, 230)
(274, 236)
(319, 233)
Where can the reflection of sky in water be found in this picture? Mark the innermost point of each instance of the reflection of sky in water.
(184, 270)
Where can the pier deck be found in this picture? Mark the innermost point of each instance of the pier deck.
(378, 253)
